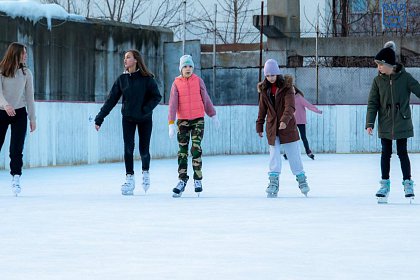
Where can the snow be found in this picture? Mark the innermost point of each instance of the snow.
(33, 10)
(72, 223)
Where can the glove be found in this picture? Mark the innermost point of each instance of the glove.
(172, 130)
(215, 120)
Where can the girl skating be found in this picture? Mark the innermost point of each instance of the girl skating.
(276, 108)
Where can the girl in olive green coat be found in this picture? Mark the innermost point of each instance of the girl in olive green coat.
(389, 98)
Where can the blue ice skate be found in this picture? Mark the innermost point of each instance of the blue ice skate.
(409, 189)
(303, 184)
(383, 192)
(273, 185)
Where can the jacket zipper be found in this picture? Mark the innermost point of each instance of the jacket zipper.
(189, 95)
(392, 108)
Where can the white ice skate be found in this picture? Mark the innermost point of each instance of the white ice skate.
(179, 189)
(146, 181)
(16, 185)
(128, 187)
(383, 192)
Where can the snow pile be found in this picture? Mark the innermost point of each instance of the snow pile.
(33, 10)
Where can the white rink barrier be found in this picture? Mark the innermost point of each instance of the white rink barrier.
(65, 134)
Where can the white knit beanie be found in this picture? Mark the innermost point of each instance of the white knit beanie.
(184, 61)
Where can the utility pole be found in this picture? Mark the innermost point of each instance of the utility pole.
(214, 51)
(184, 26)
(261, 38)
(316, 56)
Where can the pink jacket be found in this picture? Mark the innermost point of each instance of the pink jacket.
(301, 103)
(189, 99)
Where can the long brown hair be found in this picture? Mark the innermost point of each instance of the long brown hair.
(11, 60)
(279, 82)
(140, 65)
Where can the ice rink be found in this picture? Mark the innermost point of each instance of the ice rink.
(72, 223)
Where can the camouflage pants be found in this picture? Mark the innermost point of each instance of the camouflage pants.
(195, 130)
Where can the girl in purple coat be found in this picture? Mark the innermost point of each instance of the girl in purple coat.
(300, 115)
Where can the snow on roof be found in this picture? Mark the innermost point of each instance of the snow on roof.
(33, 10)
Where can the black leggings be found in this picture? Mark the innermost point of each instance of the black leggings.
(402, 154)
(145, 132)
(18, 125)
(302, 131)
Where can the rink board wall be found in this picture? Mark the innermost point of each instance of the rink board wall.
(65, 134)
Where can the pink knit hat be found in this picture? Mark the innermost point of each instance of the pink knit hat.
(271, 67)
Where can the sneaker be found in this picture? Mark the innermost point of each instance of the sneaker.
(128, 187)
(408, 188)
(16, 184)
(179, 189)
(303, 184)
(146, 180)
(198, 186)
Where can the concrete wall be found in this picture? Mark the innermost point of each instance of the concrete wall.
(79, 61)
(173, 52)
(65, 134)
(237, 77)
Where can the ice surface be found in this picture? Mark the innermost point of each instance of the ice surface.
(73, 223)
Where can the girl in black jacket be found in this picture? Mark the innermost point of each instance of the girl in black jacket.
(140, 95)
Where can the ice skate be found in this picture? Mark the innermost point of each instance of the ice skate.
(383, 192)
(179, 189)
(146, 181)
(198, 188)
(303, 184)
(409, 189)
(16, 185)
(285, 156)
(128, 187)
(273, 185)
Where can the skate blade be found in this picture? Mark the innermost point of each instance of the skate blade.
(176, 195)
(382, 200)
(127, 193)
(146, 188)
(16, 191)
(271, 195)
(410, 198)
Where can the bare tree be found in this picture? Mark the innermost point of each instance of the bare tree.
(234, 16)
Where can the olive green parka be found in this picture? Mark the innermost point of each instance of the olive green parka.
(389, 98)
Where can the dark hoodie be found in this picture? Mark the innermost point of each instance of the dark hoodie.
(140, 95)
